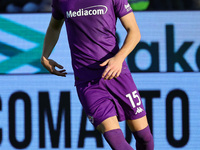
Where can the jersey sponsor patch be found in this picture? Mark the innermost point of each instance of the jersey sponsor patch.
(88, 11)
(127, 7)
(139, 110)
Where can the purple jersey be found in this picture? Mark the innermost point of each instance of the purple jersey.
(91, 27)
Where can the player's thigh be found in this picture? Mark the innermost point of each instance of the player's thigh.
(108, 124)
(137, 124)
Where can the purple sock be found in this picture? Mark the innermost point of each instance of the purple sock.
(116, 140)
(144, 139)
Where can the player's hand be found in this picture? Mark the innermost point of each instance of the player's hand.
(113, 69)
(51, 65)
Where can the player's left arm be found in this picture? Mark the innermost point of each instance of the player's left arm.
(114, 64)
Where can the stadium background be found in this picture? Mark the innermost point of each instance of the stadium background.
(42, 111)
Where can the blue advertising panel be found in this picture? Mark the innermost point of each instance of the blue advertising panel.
(42, 111)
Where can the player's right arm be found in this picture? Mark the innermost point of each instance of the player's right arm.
(50, 40)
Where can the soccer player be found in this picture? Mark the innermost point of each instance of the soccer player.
(103, 81)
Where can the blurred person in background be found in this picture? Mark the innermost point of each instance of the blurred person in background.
(158, 5)
(196, 4)
(171, 5)
(3, 4)
(15, 6)
(45, 6)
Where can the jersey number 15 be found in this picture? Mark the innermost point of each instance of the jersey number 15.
(134, 96)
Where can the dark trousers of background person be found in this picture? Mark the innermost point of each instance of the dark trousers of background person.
(171, 5)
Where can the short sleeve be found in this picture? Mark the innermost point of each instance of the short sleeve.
(56, 13)
(122, 7)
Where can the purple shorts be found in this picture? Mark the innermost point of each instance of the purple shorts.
(119, 97)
